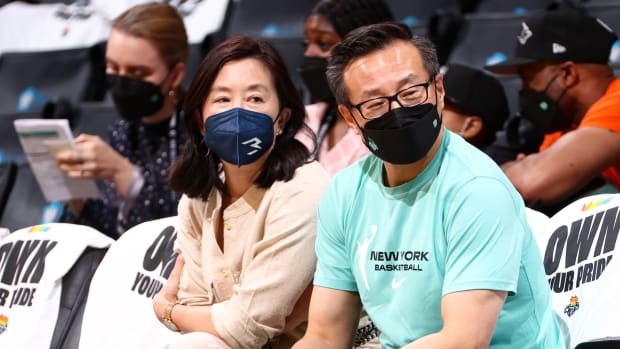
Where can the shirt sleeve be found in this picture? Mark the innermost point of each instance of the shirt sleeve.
(333, 263)
(484, 234)
(188, 243)
(281, 269)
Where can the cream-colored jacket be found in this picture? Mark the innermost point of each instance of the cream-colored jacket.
(267, 262)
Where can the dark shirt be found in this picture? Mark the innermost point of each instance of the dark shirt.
(148, 148)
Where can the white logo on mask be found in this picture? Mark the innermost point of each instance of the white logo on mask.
(253, 143)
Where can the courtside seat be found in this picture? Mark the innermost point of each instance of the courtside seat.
(578, 246)
(46, 272)
(119, 308)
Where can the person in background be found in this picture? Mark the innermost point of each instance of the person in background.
(426, 233)
(570, 93)
(247, 217)
(327, 24)
(146, 55)
(475, 104)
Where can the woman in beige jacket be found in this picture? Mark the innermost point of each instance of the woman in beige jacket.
(247, 219)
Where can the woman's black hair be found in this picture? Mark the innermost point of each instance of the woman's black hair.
(198, 170)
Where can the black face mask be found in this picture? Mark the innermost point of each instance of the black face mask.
(403, 135)
(312, 72)
(542, 111)
(134, 98)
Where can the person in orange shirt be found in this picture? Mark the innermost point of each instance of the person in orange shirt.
(570, 93)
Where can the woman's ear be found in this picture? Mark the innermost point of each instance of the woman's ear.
(178, 73)
(200, 122)
(285, 116)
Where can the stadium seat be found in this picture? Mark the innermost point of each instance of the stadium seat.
(75, 285)
(518, 7)
(269, 18)
(26, 202)
(609, 13)
(486, 38)
(279, 22)
(577, 245)
(131, 274)
(29, 79)
(46, 286)
(416, 13)
(7, 179)
(94, 118)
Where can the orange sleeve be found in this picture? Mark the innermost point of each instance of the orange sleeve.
(550, 139)
(605, 112)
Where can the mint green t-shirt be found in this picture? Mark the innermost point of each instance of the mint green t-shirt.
(459, 225)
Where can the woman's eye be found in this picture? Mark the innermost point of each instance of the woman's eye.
(256, 99)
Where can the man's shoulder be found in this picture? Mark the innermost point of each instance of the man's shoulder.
(361, 170)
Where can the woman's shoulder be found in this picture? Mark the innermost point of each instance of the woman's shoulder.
(311, 172)
(310, 176)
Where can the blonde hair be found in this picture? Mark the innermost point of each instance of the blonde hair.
(161, 25)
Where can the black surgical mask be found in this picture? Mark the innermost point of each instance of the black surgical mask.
(134, 98)
(403, 135)
(312, 72)
(542, 111)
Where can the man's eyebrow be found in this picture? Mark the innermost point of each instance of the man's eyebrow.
(375, 91)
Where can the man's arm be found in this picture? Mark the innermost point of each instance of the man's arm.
(469, 319)
(566, 166)
(333, 318)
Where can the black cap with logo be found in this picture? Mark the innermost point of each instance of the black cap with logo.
(565, 34)
(476, 93)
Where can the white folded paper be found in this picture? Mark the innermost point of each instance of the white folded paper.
(35, 136)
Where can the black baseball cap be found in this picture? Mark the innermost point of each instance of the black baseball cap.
(564, 34)
(476, 92)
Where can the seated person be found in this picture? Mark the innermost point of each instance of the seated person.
(475, 104)
(427, 233)
(329, 21)
(570, 93)
(146, 55)
(247, 217)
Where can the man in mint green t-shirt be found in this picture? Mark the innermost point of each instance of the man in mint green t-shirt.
(427, 233)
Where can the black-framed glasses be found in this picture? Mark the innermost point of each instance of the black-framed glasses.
(407, 97)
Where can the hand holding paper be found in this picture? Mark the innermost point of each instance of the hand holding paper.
(40, 139)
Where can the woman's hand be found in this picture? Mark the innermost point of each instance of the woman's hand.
(96, 159)
(169, 293)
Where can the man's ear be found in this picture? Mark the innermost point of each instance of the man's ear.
(441, 92)
(284, 117)
(569, 74)
(348, 118)
(472, 127)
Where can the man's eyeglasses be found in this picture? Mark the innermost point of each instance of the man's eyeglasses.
(408, 97)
